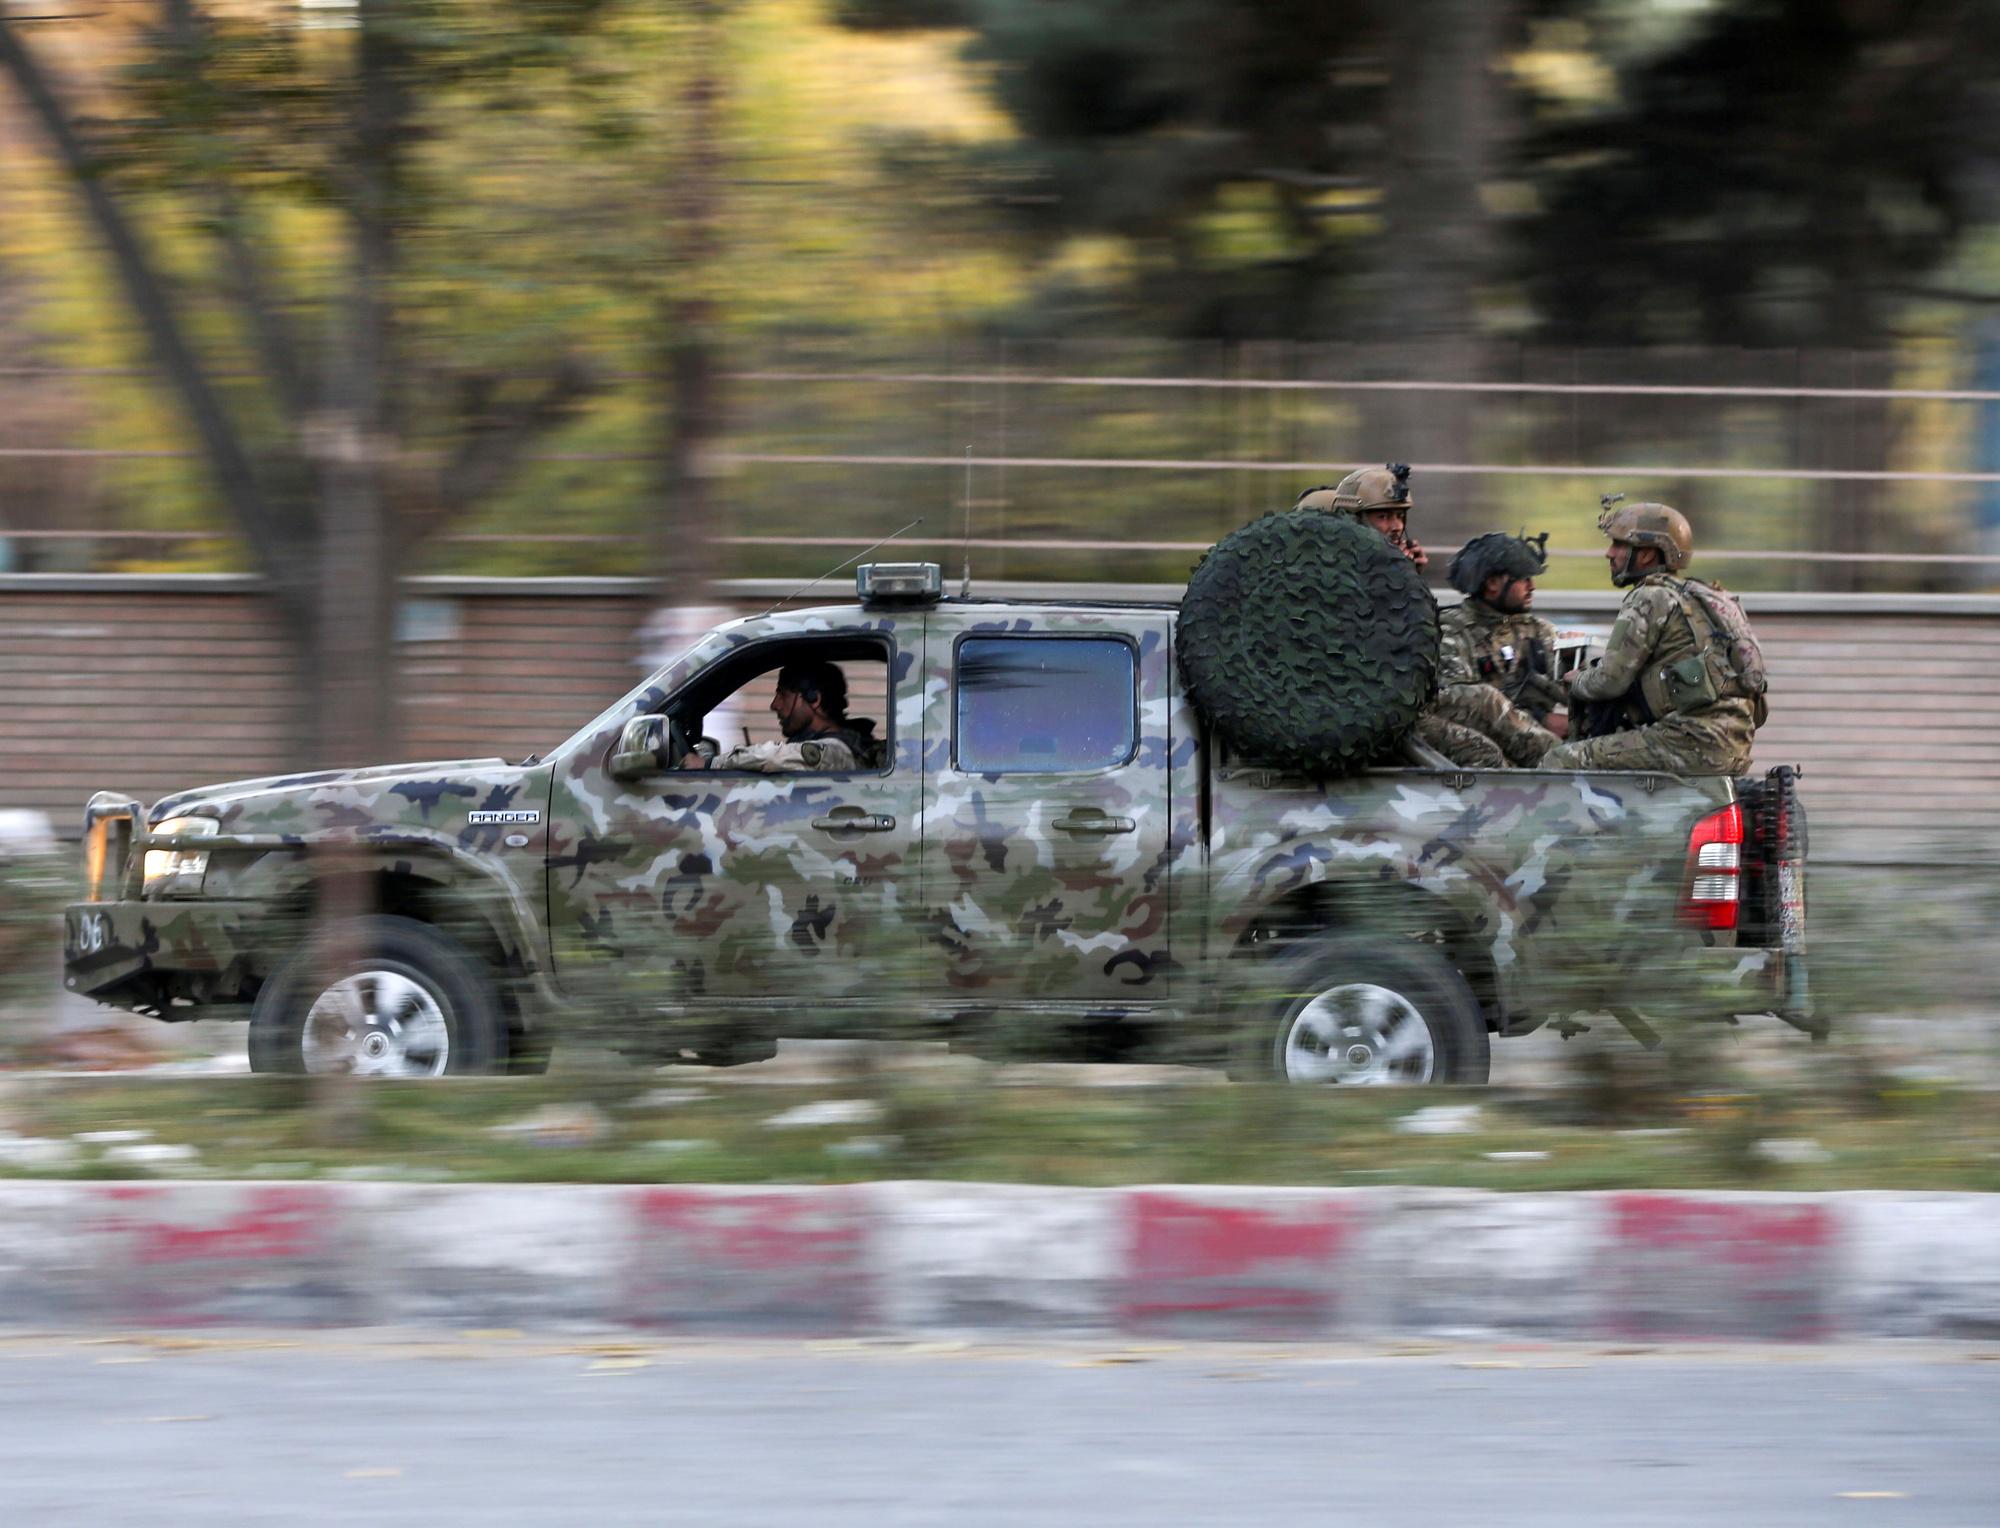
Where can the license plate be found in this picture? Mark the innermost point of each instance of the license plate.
(85, 933)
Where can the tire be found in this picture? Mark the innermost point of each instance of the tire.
(1308, 642)
(1398, 1013)
(409, 1002)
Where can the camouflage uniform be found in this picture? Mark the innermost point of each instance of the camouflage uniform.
(1473, 730)
(1510, 651)
(1484, 668)
(1681, 661)
(844, 750)
(1496, 721)
(1463, 745)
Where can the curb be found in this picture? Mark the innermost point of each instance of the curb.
(1287, 1264)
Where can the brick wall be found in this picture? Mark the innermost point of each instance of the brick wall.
(133, 687)
(149, 685)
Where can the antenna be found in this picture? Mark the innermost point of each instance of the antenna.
(847, 564)
(965, 588)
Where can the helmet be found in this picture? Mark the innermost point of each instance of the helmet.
(1497, 552)
(1659, 526)
(1370, 488)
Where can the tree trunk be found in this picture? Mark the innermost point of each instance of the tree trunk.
(353, 672)
(352, 434)
(687, 517)
(1437, 246)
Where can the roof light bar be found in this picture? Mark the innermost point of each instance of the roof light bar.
(899, 583)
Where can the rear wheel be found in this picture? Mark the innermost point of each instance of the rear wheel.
(1346, 1012)
(402, 1000)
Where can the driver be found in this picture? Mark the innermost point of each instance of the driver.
(811, 707)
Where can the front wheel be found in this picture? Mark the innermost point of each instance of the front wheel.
(1353, 1013)
(402, 1000)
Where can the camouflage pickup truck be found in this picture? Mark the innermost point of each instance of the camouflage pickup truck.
(1051, 833)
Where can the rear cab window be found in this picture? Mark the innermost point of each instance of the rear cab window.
(1045, 705)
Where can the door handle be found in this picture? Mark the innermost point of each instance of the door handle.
(851, 819)
(1089, 819)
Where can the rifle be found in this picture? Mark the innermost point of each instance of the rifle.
(1601, 718)
(1535, 688)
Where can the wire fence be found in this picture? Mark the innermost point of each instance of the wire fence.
(1803, 470)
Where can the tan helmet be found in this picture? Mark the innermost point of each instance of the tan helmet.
(1659, 526)
(1386, 487)
(1368, 488)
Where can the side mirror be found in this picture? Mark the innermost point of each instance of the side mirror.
(643, 749)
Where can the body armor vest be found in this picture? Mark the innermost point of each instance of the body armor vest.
(1707, 654)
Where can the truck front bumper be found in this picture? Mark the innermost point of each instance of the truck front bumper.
(145, 954)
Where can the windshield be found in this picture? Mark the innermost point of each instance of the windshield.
(648, 696)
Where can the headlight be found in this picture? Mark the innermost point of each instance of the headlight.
(178, 872)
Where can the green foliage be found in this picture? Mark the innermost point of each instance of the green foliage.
(1779, 176)
(1199, 168)
(33, 889)
(1216, 141)
(532, 201)
(716, 1133)
(1883, 941)
(900, 15)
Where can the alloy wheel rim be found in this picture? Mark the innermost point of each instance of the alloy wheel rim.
(377, 1024)
(1359, 1034)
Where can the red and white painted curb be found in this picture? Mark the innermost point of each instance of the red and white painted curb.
(1256, 1263)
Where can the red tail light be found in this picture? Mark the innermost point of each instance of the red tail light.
(1715, 870)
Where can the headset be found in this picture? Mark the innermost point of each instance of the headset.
(798, 678)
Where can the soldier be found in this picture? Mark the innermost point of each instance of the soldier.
(1681, 666)
(1470, 728)
(1377, 497)
(1492, 637)
(810, 702)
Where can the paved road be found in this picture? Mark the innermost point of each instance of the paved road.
(456, 1429)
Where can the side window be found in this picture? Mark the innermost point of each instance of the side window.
(747, 716)
(841, 689)
(1045, 705)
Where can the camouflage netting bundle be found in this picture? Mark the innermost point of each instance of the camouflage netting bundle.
(1308, 642)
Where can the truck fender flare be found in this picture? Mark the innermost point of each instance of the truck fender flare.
(421, 856)
(1365, 868)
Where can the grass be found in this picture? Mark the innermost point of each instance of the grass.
(1884, 1134)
